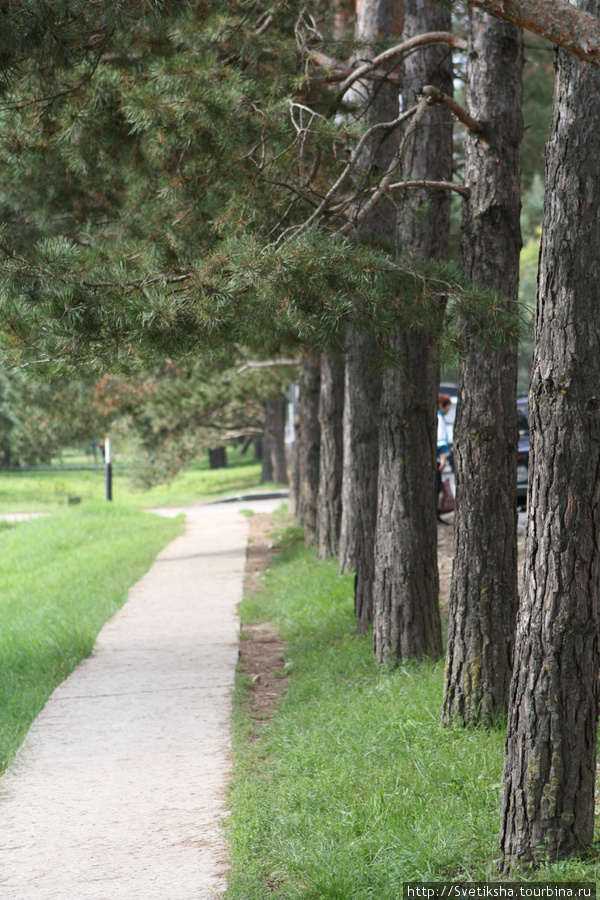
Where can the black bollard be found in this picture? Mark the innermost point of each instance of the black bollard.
(108, 470)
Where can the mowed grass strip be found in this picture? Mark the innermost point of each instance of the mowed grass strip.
(354, 787)
(49, 490)
(61, 578)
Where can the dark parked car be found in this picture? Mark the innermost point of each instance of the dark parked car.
(523, 451)
(523, 448)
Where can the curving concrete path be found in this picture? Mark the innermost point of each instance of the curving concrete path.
(118, 791)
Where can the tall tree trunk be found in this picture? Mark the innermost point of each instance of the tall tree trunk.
(266, 474)
(331, 410)
(375, 20)
(550, 761)
(347, 548)
(344, 13)
(275, 435)
(405, 597)
(310, 446)
(484, 594)
(294, 500)
(361, 445)
(406, 608)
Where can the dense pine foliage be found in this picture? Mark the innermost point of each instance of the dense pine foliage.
(167, 191)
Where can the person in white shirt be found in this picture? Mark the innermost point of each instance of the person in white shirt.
(444, 404)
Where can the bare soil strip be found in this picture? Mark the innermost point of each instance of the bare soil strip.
(262, 652)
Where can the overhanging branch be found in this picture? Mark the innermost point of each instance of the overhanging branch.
(420, 40)
(436, 97)
(431, 185)
(565, 25)
(418, 113)
(267, 364)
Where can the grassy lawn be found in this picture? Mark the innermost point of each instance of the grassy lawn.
(354, 787)
(43, 491)
(62, 577)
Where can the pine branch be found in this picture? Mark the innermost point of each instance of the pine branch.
(267, 364)
(382, 188)
(396, 53)
(352, 163)
(81, 83)
(435, 97)
(431, 185)
(565, 25)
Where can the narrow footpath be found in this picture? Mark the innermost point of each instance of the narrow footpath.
(118, 791)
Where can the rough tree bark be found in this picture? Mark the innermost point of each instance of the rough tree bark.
(550, 761)
(361, 445)
(331, 410)
(309, 447)
(266, 472)
(347, 548)
(275, 438)
(484, 594)
(405, 597)
(375, 19)
(294, 501)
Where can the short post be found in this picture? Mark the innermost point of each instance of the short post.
(108, 469)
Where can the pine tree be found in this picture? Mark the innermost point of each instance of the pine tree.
(329, 501)
(405, 594)
(176, 411)
(550, 759)
(484, 595)
(375, 21)
(183, 192)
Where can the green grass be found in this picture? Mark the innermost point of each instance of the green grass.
(42, 491)
(62, 577)
(354, 787)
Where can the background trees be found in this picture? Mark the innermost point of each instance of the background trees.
(39, 420)
(179, 176)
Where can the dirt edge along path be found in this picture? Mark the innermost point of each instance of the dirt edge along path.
(261, 650)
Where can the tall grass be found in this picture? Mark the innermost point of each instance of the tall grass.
(61, 578)
(354, 787)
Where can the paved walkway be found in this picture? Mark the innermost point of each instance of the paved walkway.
(118, 790)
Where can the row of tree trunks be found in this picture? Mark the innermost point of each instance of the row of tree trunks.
(549, 776)
(484, 594)
(550, 761)
(406, 588)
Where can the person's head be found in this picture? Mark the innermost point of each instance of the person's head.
(444, 403)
